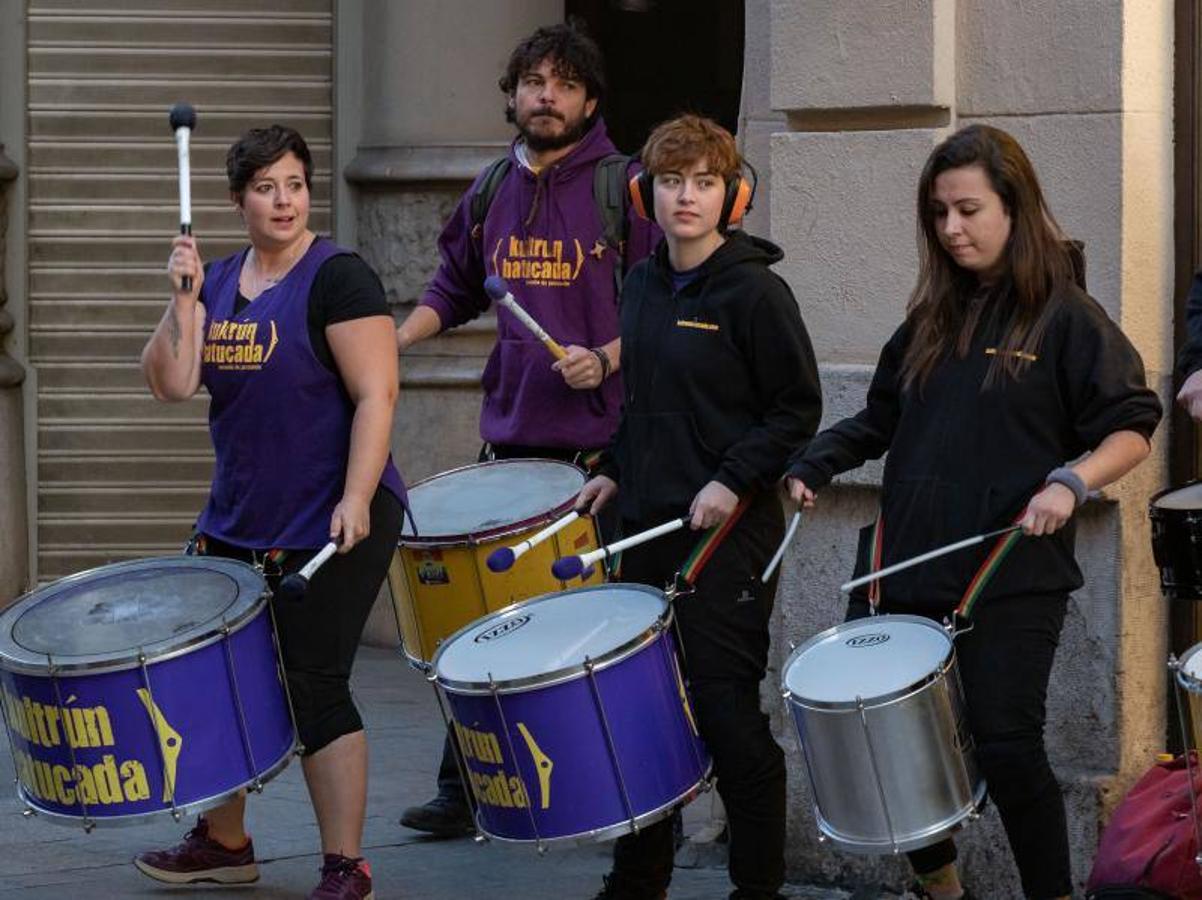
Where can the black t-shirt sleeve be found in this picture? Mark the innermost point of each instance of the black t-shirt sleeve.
(345, 288)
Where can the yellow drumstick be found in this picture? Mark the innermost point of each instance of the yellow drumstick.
(496, 288)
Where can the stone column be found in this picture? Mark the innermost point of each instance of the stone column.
(431, 117)
(14, 571)
(865, 91)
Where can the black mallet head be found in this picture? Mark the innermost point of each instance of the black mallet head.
(292, 587)
(182, 116)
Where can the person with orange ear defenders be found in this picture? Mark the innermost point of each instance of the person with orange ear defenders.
(719, 384)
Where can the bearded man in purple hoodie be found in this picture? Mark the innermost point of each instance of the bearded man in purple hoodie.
(545, 235)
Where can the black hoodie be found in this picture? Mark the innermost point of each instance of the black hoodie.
(719, 380)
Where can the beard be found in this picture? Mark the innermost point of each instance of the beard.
(572, 131)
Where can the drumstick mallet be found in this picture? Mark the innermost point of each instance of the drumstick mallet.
(568, 567)
(495, 287)
(926, 557)
(183, 120)
(780, 551)
(503, 558)
(293, 587)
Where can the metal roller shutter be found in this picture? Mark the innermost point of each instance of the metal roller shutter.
(120, 475)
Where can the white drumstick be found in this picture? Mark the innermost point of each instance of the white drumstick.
(496, 288)
(780, 551)
(503, 558)
(182, 119)
(568, 567)
(932, 554)
(293, 587)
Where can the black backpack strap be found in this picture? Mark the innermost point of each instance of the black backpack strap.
(612, 197)
(486, 190)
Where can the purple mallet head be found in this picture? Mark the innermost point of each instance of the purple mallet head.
(292, 587)
(567, 567)
(495, 287)
(182, 116)
(501, 559)
(588, 573)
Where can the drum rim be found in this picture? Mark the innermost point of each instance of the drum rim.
(1188, 682)
(934, 675)
(499, 531)
(195, 806)
(1153, 508)
(623, 651)
(609, 832)
(118, 661)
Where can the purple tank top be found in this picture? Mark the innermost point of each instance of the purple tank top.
(280, 421)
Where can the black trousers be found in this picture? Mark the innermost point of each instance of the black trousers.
(723, 628)
(1005, 663)
(319, 634)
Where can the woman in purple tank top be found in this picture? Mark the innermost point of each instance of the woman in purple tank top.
(293, 341)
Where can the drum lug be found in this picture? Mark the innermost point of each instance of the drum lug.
(822, 838)
(1174, 665)
(29, 812)
(787, 695)
(973, 814)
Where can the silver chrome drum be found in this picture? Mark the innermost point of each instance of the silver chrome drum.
(880, 712)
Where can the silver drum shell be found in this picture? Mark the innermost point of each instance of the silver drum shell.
(891, 773)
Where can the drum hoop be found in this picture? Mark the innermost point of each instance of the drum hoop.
(936, 674)
(30, 663)
(500, 531)
(644, 638)
(1154, 509)
(1188, 682)
(196, 806)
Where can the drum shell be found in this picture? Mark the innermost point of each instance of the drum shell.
(440, 584)
(657, 760)
(1177, 549)
(204, 694)
(917, 742)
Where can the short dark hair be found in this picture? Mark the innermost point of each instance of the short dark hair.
(259, 148)
(575, 55)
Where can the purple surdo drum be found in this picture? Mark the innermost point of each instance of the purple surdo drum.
(141, 688)
(572, 715)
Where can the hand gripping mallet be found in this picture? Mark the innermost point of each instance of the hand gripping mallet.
(503, 558)
(495, 287)
(293, 587)
(183, 120)
(568, 567)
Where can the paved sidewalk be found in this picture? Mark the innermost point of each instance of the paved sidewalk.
(42, 860)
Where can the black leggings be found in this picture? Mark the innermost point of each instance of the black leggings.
(1005, 663)
(320, 634)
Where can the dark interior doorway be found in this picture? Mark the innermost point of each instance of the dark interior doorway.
(664, 57)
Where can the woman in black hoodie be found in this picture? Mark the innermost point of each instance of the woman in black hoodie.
(1003, 373)
(720, 385)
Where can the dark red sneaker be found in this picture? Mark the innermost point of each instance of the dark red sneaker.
(200, 858)
(343, 878)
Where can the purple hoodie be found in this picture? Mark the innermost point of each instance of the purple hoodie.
(543, 235)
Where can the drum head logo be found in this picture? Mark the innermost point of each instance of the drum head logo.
(867, 640)
(499, 631)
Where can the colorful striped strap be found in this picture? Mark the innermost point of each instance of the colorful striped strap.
(875, 560)
(976, 587)
(708, 545)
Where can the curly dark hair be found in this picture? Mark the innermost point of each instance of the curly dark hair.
(575, 55)
(259, 148)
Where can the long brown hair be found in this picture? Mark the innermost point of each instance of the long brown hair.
(1035, 262)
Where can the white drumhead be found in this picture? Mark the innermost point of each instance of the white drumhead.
(866, 658)
(489, 496)
(1189, 497)
(1191, 663)
(549, 634)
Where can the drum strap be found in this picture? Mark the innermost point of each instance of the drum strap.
(687, 577)
(976, 587)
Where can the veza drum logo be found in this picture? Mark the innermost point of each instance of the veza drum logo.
(867, 640)
(507, 627)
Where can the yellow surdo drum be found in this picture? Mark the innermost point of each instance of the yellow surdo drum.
(439, 577)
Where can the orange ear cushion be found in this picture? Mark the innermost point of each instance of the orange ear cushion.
(741, 203)
(642, 200)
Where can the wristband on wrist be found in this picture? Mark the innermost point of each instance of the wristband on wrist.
(603, 358)
(1071, 480)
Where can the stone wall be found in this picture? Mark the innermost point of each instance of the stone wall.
(842, 115)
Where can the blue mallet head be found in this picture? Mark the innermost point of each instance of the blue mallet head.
(501, 559)
(567, 567)
(495, 287)
(292, 587)
(182, 115)
(588, 573)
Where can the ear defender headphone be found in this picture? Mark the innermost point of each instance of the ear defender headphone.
(740, 195)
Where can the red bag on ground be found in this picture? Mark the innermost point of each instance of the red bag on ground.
(1150, 845)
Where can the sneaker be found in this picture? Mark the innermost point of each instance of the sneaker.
(343, 878)
(443, 817)
(200, 858)
(614, 890)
